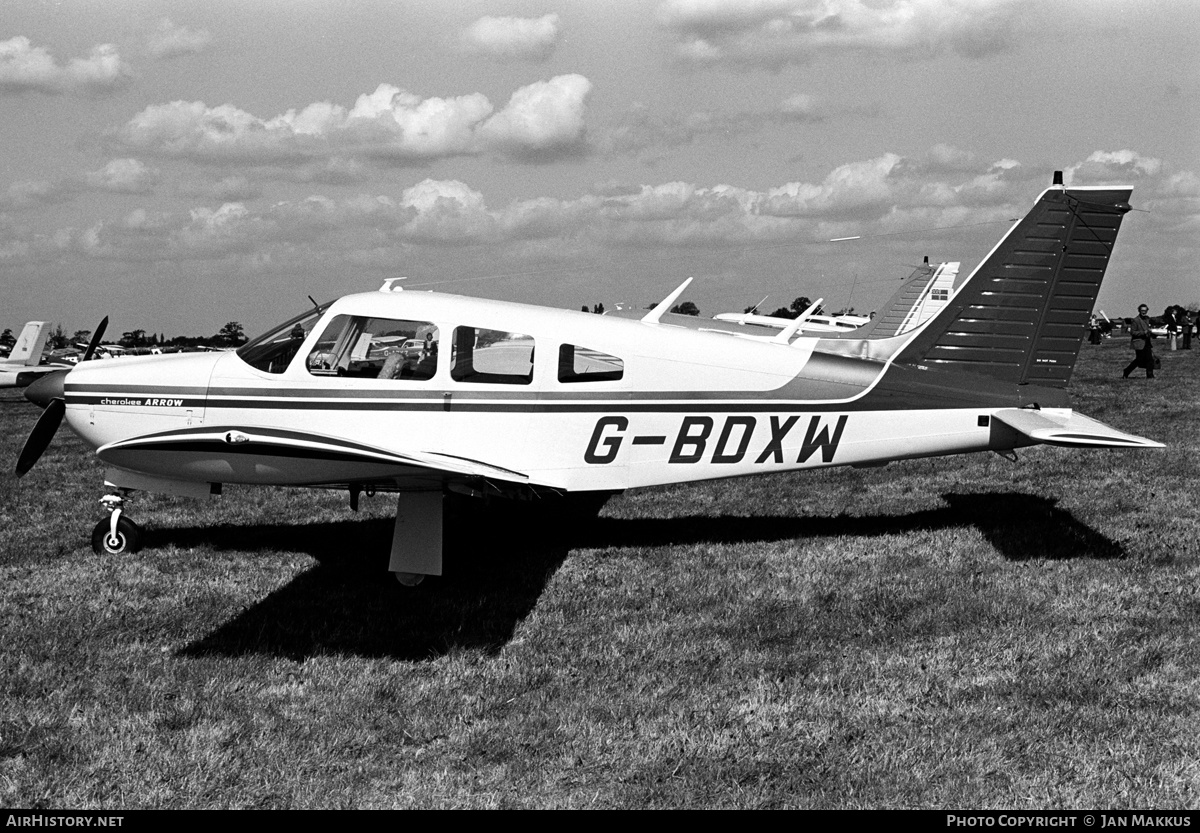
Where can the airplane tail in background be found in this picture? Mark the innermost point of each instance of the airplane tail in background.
(919, 298)
(30, 344)
(1021, 315)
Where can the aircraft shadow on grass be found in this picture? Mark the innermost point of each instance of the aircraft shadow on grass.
(348, 604)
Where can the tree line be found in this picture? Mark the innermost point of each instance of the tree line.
(231, 335)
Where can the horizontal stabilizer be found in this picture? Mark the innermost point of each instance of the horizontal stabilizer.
(1075, 430)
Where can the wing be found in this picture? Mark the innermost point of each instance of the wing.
(298, 451)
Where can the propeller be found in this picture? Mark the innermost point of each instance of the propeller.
(48, 392)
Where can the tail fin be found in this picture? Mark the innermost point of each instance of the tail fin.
(1020, 316)
(30, 344)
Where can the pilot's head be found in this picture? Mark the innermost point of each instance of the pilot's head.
(1143, 309)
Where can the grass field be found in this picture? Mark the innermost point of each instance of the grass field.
(961, 632)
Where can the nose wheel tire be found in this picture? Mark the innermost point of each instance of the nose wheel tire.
(128, 538)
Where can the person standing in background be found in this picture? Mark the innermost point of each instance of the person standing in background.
(1140, 340)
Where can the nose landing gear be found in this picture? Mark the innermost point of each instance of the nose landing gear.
(117, 534)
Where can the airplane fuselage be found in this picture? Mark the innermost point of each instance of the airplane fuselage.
(687, 406)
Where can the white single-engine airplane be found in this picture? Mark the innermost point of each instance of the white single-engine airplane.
(501, 399)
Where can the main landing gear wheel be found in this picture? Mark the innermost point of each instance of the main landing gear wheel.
(409, 579)
(128, 538)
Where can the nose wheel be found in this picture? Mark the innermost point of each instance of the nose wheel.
(409, 579)
(116, 535)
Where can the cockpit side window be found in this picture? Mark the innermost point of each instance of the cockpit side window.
(273, 351)
(583, 364)
(492, 357)
(375, 348)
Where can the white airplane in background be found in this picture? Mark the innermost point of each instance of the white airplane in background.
(24, 363)
(925, 292)
(810, 322)
(521, 401)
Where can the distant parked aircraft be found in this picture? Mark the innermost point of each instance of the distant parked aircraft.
(24, 362)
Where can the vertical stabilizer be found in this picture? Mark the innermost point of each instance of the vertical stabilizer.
(30, 344)
(1020, 316)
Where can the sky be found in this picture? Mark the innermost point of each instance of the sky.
(178, 165)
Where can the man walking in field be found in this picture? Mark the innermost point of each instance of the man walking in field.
(1141, 337)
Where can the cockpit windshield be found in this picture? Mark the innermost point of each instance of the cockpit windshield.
(273, 351)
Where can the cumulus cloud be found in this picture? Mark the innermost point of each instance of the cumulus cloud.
(513, 38)
(31, 193)
(800, 107)
(541, 120)
(212, 220)
(127, 176)
(440, 221)
(1182, 184)
(1118, 167)
(26, 68)
(235, 188)
(947, 158)
(123, 176)
(171, 41)
(886, 191)
(778, 32)
(544, 116)
(641, 131)
(447, 211)
(141, 219)
(848, 189)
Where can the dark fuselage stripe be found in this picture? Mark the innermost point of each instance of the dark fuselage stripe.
(225, 449)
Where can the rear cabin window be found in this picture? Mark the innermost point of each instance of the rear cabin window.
(492, 357)
(375, 348)
(583, 364)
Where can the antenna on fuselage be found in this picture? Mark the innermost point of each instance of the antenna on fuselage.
(390, 285)
(653, 315)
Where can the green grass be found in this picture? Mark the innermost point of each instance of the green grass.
(961, 632)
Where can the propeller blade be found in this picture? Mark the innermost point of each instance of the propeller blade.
(41, 435)
(95, 342)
